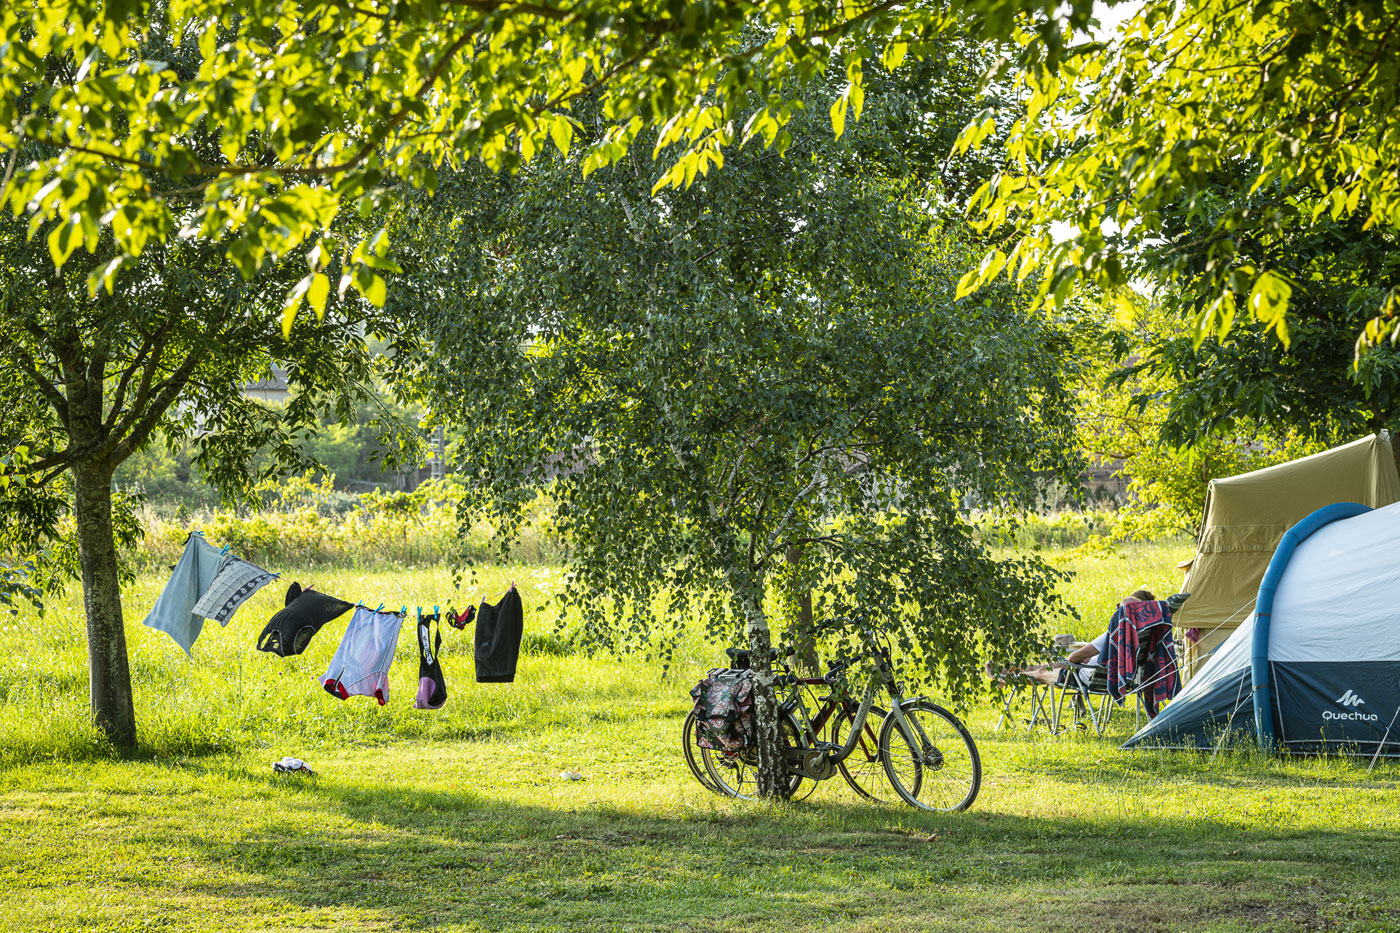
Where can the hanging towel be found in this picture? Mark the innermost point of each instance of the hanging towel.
(432, 688)
(236, 580)
(174, 612)
(1131, 623)
(291, 629)
(361, 663)
(498, 631)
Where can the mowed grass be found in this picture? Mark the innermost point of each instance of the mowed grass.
(459, 819)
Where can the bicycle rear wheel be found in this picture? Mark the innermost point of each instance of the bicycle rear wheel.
(690, 744)
(862, 768)
(735, 774)
(936, 765)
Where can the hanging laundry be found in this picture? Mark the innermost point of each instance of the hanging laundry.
(460, 622)
(498, 631)
(301, 617)
(236, 580)
(432, 688)
(174, 612)
(361, 663)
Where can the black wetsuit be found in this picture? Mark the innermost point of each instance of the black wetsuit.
(432, 688)
(290, 630)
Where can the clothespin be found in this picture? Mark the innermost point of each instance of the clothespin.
(381, 608)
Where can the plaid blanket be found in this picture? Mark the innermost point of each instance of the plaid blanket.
(1130, 624)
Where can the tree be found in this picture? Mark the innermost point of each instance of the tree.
(92, 379)
(257, 124)
(1252, 120)
(1316, 386)
(1177, 418)
(707, 379)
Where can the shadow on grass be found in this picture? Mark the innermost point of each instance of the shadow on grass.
(427, 859)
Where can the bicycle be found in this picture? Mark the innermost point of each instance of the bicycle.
(926, 753)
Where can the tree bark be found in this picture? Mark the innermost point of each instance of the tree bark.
(804, 643)
(772, 769)
(109, 672)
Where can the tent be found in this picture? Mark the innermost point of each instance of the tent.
(1246, 515)
(1316, 665)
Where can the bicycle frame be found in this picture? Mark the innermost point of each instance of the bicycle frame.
(819, 760)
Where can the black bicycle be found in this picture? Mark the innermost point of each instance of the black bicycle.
(924, 751)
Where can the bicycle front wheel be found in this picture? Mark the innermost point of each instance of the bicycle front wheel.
(934, 765)
(735, 774)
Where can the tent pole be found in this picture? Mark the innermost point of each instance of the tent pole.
(1260, 680)
(1383, 738)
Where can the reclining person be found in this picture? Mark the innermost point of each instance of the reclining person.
(1083, 660)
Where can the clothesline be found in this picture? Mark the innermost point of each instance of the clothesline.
(212, 583)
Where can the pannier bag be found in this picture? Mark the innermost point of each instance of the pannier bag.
(724, 710)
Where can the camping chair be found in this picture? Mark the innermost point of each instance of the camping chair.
(1095, 700)
(1145, 674)
(1036, 692)
(1090, 701)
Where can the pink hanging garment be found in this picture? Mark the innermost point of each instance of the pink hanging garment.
(361, 663)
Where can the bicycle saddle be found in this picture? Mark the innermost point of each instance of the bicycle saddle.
(741, 658)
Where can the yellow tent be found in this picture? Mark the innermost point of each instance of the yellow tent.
(1246, 515)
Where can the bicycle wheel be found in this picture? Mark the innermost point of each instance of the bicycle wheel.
(935, 768)
(689, 742)
(735, 774)
(862, 769)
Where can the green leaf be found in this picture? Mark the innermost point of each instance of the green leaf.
(317, 293)
(63, 239)
(562, 132)
(838, 116)
(376, 292)
(294, 299)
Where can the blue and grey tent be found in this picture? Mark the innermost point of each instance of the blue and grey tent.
(1316, 666)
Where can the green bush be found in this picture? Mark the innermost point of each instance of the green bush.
(306, 522)
(1069, 528)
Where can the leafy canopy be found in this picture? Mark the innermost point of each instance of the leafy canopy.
(88, 381)
(257, 123)
(1245, 120)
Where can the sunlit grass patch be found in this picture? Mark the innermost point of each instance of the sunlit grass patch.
(459, 819)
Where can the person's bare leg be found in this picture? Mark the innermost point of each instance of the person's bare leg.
(1044, 673)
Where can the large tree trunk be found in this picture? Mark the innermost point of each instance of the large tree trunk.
(772, 770)
(109, 673)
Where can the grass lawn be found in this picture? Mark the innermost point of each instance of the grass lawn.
(458, 819)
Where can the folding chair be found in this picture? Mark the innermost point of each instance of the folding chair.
(1094, 698)
(1091, 700)
(1145, 673)
(1038, 693)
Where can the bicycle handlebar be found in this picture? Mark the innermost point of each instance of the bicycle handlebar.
(743, 656)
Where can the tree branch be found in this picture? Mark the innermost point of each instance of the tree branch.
(818, 481)
(26, 362)
(156, 348)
